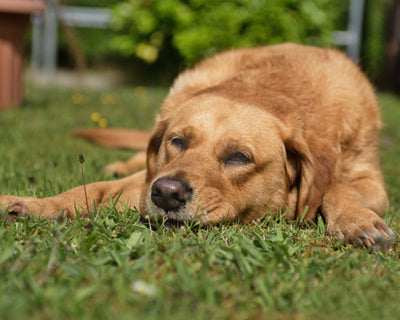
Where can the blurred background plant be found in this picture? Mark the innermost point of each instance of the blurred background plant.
(155, 39)
(198, 28)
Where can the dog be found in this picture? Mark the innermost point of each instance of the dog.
(249, 132)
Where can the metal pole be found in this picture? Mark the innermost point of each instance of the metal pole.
(37, 41)
(355, 28)
(50, 35)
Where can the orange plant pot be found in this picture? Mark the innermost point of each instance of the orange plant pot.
(14, 20)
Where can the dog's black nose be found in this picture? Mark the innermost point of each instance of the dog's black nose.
(170, 194)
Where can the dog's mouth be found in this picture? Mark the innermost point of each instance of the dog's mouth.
(169, 224)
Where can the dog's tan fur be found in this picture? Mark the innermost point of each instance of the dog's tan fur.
(255, 131)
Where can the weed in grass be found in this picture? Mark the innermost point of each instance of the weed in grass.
(90, 224)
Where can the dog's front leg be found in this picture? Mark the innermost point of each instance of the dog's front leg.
(123, 168)
(127, 190)
(352, 213)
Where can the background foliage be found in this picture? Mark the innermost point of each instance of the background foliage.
(163, 36)
(373, 53)
(196, 28)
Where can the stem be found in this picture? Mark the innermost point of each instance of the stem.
(82, 160)
(86, 198)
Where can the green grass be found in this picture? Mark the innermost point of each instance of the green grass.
(122, 269)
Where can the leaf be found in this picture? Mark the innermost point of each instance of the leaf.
(134, 240)
(279, 235)
(116, 258)
(6, 254)
(85, 292)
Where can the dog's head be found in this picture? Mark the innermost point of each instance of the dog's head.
(214, 160)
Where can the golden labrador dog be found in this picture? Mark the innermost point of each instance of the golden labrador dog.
(253, 132)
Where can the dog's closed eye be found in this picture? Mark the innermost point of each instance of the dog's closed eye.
(179, 142)
(238, 158)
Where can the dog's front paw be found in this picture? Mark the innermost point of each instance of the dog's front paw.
(18, 206)
(365, 229)
(383, 236)
(14, 206)
(18, 209)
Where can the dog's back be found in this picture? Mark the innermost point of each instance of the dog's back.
(311, 77)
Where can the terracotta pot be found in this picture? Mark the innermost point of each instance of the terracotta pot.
(14, 19)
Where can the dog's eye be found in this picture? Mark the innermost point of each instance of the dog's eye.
(238, 158)
(179, 142)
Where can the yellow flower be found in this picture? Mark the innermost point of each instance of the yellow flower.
(103, 122)
(95, 117)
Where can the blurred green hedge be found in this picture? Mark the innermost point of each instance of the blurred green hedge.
(198, 28)
(172, 34)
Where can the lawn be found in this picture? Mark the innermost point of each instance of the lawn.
(123, 269)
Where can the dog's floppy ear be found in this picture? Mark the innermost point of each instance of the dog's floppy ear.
(301, 174)
(311, 167)
(301, 170)
(154, 147)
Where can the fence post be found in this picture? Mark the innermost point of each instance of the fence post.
(37, 42)
(50, 39)
(355, 28)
